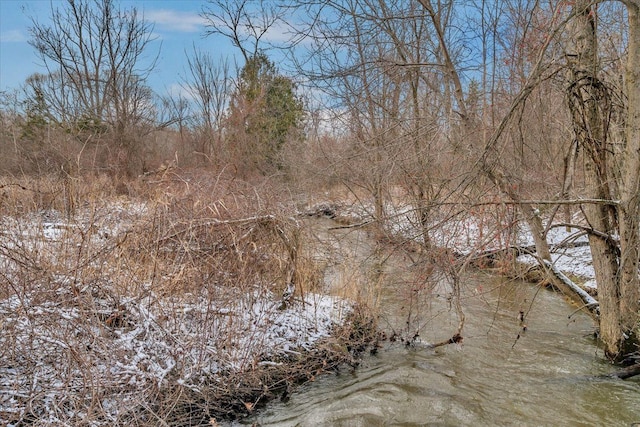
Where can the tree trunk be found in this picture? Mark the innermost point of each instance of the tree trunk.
(616, 268)
(584, 98)
(629, 210)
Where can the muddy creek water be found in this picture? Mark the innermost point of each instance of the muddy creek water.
(546, 377)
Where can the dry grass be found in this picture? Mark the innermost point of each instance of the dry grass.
(161, 307)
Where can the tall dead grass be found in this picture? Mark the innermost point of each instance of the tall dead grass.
(159, 307)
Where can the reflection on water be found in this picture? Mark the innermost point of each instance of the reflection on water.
(544, 378)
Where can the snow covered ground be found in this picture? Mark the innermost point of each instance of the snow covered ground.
(78, 349)
(484, 230)
(60, 354)
(73, 349)
(574, 259)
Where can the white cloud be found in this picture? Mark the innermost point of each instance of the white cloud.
(179, 90)
(175, 20)
(12, 36)
(279, 33)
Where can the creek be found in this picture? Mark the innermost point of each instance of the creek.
(499, 375)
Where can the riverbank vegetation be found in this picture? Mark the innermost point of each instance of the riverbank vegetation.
(158, 265)
(186, 303)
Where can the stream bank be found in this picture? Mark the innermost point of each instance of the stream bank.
(549, 373)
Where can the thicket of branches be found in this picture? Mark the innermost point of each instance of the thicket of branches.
(438, 118)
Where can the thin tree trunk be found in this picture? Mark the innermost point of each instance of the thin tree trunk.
(567, 182)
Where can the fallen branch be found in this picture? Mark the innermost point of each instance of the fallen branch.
(590, 302)
(593, 304)
(323, 210)
(517, 250)
(623, 374)
(588, 230)
(456, 339)
(358, 225)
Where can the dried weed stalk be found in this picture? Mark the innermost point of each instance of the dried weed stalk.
(160, 310)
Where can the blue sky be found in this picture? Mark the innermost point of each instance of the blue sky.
(178, 27)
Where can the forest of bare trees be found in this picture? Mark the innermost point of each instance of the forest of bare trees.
(525, 111)
(525, 102)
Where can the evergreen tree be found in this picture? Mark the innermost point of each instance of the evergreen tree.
(265, 110)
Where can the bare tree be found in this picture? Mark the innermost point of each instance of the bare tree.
(399, 73)
(244, 22)
(209, 85)
(629, 211)
(613, 174)
(588, 101)
(93, 51)
(490, 162)
(357, 53)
